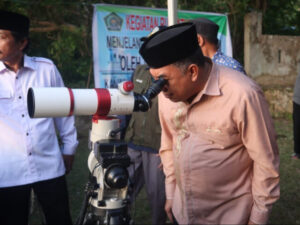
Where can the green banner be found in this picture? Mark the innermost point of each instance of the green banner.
(116, 38)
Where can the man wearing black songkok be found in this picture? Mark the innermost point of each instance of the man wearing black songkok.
(30, 157)
(218, 143)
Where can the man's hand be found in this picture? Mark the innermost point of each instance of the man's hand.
(160, 166)
(68, 160)
(168, 209)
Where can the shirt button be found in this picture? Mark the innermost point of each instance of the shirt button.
(29, 153)
(27, 134)
(20, 97)
(23, 115)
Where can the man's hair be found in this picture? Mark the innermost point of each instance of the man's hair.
(212, 40)
(207, 29)
(196, 58)
(20, 37)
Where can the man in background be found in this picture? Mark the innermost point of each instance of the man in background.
(296, 118)
(207, 33)
(30, 155)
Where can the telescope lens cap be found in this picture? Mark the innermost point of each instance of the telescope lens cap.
(30, 103)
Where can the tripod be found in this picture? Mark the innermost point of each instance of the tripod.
(105, 200)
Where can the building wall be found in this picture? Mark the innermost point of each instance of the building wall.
(273, 61)
(269, 55)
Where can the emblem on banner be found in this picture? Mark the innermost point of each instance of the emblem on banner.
(113, 22)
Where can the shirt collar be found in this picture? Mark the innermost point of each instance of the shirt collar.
(2, 66)
(27, 64)
(217, 54)
(212, 85)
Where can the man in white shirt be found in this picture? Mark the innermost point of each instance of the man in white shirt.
(30, 155)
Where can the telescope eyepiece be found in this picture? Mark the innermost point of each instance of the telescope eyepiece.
(155, 88)
(143, 102)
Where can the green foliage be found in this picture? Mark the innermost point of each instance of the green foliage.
(60, 30)
(282, 17)
(286, 210)
(279, 17)
(65, 50)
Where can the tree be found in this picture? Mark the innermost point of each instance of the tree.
(61, 31)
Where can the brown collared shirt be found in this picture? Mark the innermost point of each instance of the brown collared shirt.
(219, 153)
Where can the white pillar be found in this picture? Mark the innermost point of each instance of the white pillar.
(172, 12)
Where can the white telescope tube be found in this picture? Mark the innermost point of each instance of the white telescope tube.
(62, 101)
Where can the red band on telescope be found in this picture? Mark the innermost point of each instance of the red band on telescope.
(96, 118)
(104, 101)
(71, 102)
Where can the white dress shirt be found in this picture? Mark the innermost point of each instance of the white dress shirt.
(29, 148)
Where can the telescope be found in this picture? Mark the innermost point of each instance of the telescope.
(106, 201)
(62, 101)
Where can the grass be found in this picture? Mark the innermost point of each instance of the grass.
(285, 211)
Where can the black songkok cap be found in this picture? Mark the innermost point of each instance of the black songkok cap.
(156, 29)
(14, 22)
(170, 45)
(206, 27)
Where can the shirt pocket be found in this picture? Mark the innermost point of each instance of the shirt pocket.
(219, 136)
(6, 99)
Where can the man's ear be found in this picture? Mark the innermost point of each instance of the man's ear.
(201, 40)
(23, 43)
(193, 70)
